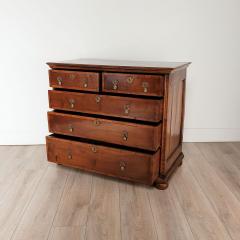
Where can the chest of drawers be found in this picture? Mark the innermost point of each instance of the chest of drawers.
(117, 118)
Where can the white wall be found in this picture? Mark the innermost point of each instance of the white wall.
(204, 32)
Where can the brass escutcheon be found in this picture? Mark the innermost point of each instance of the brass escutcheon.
(94, 149)
(130, 80)
(97, 122)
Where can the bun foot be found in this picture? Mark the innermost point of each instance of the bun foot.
(180, 163)
(161, 184)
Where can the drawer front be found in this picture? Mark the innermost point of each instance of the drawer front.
(131, 108)
(88, 81)
(127, 134)
(124, 164)
(150, 85)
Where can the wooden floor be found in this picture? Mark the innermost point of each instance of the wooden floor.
(40, 200)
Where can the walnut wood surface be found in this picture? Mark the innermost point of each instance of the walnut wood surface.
(140, 84)
(131, 108)
(124, 164)
(88, 81)
(117, 132)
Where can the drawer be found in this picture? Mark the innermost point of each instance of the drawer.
(139, 84)
(116, 132)
(124, 107)
(88, 81)
(136, 166)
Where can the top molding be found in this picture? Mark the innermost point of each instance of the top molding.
(119, 66)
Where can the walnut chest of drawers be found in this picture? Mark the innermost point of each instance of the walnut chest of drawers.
(117, 118)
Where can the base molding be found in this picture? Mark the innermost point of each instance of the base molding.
(162, 181)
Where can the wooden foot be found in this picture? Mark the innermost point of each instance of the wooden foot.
(180, 163)
(162, 180)
(161, 184)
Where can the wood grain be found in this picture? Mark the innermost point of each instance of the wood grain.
(199, 212)
(103, 221)
(136, 215)
(169, 217)
(74, 204)
(214, 189)
(41, 210)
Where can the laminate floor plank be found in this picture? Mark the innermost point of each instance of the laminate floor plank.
(11, 162)
(14, 202)
(103, 221)
(227, 207)
(170, 221)
(199, 213)
(136, 215)
(75, 202)
(38, 217)
(226, 170)
(67, 233)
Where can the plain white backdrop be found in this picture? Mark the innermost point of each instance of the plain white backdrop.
(207, 33)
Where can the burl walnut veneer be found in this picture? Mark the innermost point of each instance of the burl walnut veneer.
(118, 118)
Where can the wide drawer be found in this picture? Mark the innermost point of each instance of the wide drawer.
(131, 108)
(140, 167)
(140, 84)
(88, 81)
(116, 132)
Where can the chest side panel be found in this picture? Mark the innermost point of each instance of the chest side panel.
(173, 118)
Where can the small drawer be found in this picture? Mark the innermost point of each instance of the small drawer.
(116, 132)
(88, 81)
(124, 107)
(131, 165)
(139, 84)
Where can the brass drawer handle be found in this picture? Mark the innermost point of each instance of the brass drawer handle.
(130, 80)
(94, 149)
(115, 84)
(97, 122)
(98, 99)
(72, 103)
(85, 84)
(125, 135)
(69, 156)
(59, 80)
(122, 166)
(145, 86)
(70, 128)
(126, 109)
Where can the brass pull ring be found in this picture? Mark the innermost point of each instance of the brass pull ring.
(125, 135)
(122, 166)
(59, 80)
(126, 109)
(98, 99)
(72, 103)
(115, 84)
